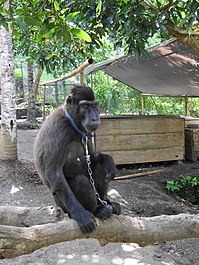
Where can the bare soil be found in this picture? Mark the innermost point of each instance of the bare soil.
(141, 196)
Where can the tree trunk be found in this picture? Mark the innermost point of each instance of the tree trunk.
(16, 241)
(8, 136)
(31, 94)
(37, 81)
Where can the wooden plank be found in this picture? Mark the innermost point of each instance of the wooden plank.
(196, 136)
(191, 142)
(141, 141)
(147, 155)
(190, 154)
(141, 174)
(143, 124)
(191, 121)
(188, 138)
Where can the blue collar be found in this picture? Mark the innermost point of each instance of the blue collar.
(74, 126)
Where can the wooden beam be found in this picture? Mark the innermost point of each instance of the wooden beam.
(71, 74)
(81, 76)
(142, 104)
(44, 103)
(187, 106)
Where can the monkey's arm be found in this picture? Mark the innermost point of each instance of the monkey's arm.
(107, 164)
(65, 198)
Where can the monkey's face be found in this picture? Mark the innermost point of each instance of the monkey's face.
(89, 114)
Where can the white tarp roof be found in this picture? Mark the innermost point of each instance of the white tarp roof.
(171, 70)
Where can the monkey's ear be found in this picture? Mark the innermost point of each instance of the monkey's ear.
(69, 100)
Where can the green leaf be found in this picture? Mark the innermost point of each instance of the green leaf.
(31, 21)
(20, 23)
(2, 21)
(49, 56)
(81, 34)
(144, 53)
(4, 11)
(67, 35)
(56, 5)
(72, 15)
(99, 7)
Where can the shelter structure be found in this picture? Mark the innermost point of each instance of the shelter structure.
(171, 70)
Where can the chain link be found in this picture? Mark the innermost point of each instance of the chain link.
(88, 160)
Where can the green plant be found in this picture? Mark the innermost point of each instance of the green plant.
(186, 187)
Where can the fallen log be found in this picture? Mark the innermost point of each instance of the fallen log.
(15, 241)
(29, 216)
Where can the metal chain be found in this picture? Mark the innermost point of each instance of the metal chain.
(88, 160)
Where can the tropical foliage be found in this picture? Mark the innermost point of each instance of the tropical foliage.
(55, 33)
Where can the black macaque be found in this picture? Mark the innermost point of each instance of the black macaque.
(60, 152)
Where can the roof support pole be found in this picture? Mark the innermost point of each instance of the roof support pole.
(187, 106)
(142, 104)
(81, 77)
(91, 81)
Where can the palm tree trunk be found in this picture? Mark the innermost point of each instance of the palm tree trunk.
(8, 136)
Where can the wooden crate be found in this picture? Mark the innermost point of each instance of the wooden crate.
(192, 144)
(191, 122)
(141, 139)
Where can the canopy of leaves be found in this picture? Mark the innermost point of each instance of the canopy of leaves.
(131, 23)
(44, 31)
(54, 32)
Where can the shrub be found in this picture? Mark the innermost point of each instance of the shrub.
(186, 187)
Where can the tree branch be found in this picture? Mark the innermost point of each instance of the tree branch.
(16, 241)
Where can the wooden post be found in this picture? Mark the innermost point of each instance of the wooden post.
(142, 104)
(81, 75)
(64, 89)
(91, 81)
(187, 106)
(44, 102)
(56, 94)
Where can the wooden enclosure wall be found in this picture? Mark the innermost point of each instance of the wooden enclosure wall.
(141, 139)
(192, 144)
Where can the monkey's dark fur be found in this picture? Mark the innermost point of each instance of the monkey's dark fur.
(61, 163)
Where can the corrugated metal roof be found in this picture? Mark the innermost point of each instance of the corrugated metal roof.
(171, 70)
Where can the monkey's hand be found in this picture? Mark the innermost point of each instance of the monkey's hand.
(117, 209)
(104, 212)
(86, 221)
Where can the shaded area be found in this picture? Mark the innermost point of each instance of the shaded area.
(171, 70)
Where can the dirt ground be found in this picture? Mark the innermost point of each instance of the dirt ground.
(142, 196)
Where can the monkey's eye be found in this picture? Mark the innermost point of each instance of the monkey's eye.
(85, 106)
(94, 106)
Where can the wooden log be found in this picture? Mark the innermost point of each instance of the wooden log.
(15, 241)
(29, 216)
(141, 174)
